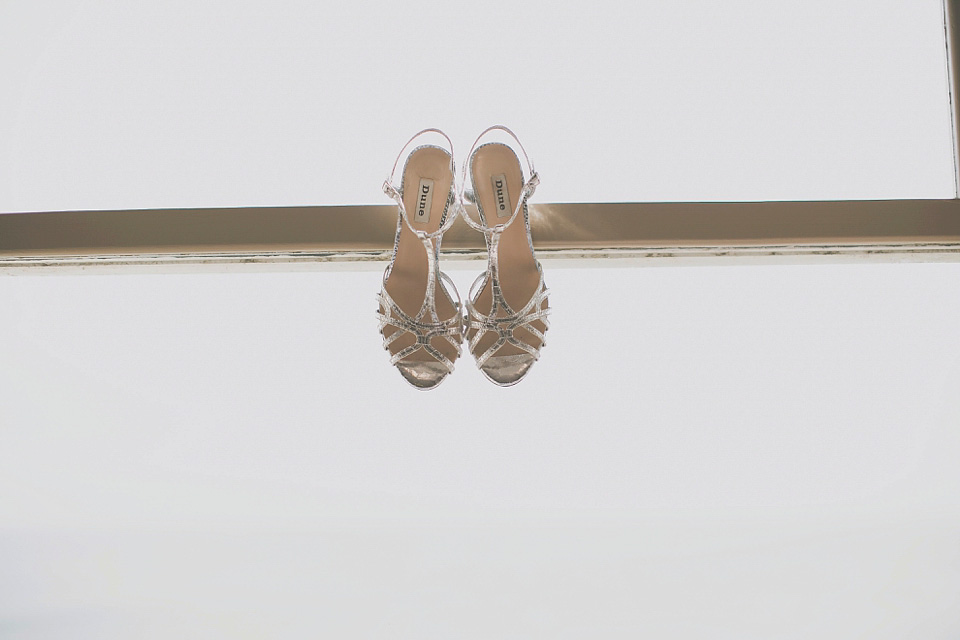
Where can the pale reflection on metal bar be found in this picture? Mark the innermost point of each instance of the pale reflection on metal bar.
(871, 229)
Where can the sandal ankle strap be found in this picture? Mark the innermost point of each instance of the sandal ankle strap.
(529, 186)
(453, 200)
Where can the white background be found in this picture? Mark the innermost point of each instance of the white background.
(733, 452)
(128, 104)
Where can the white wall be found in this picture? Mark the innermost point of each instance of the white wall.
(736, 452)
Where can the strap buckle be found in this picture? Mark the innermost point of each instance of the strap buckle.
(389, 189)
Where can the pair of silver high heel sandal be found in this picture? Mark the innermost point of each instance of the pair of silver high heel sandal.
(505, 317)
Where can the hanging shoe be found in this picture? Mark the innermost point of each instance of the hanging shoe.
(507, 305)
(421, 329)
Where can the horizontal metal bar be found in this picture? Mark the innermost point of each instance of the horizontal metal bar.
(456, 260)
(554, 226)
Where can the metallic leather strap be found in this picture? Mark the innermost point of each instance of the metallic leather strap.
(426, 324)
(450, 329)
(504, 325)
(502, 319)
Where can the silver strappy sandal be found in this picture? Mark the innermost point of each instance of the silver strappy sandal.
(420, 329)
(507, 305)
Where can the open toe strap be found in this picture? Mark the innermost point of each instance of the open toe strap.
(503, 325)
(424, 331)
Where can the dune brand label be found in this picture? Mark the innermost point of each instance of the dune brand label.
(424, 201)
(501, 197)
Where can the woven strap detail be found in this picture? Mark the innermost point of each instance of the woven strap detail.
(424, 330)
(503, 324)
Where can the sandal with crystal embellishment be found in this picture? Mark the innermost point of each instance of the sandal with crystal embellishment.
(421, 330)
(507, 305)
